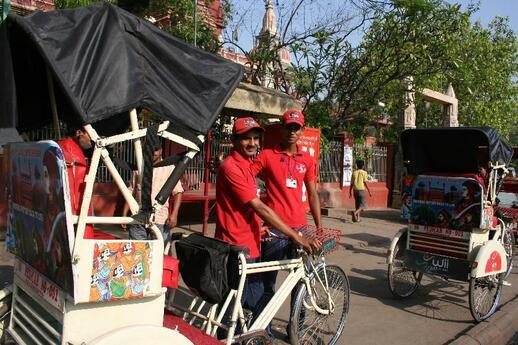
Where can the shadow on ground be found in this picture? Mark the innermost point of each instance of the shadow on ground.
(433, 299)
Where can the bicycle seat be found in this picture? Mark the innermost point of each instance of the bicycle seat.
(176, 236)
(507, 219)
(238, 249)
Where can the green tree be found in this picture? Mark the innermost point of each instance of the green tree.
(411, 38)
(437, 44)
(433, 41)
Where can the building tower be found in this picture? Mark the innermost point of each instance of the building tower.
(269, 36)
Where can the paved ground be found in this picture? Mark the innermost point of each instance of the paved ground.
(437, 314)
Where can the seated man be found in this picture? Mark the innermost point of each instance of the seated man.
(73, 150)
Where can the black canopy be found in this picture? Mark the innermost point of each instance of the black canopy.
(455, 150)
(104, 62)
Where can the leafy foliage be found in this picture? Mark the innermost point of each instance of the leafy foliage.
(433, 41)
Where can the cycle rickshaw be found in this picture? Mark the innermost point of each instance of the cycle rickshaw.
(453, 178)
(99, 64)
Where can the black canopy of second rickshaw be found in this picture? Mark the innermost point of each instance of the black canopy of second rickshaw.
(453, 150)
(104, 62)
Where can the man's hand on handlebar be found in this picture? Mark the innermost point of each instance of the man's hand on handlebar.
(310, 246)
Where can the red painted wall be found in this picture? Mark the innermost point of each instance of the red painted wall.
(331, 195)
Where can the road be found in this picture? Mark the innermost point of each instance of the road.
(436, 314)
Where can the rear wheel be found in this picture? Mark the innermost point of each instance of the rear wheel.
(307, 325)
(508, 243)
(402, 281)
(484, 295)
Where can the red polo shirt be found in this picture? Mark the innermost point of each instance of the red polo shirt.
(277, 167)
(237, 222)
(77, 168)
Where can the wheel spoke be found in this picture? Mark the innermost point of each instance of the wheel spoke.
(484, 296)
(313, 327)
(402, 281)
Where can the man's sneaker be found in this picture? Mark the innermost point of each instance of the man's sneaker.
(506, 283)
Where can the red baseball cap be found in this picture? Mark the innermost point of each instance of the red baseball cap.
(244, 124)
(293, 116)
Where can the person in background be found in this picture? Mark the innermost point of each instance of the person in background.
(286, 169)
(359, 185)
(166, 218)
(239, 210)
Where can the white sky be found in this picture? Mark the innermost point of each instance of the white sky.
(249, 14)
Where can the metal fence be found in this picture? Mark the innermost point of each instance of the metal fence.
(195, 172)
(330, 164)
(375, 157)
(123, 151)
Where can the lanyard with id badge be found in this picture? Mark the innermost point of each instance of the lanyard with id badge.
(290, 181)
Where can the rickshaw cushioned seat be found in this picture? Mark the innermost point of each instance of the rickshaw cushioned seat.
(189, 331)
(466, 175)
(101, 235)
(170, 272)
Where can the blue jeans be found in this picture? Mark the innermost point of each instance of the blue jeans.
(138, 232)
(273, 250)
(252, 294)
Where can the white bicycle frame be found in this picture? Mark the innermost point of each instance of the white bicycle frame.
(298, 273)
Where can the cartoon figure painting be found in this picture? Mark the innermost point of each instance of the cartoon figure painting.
(120, 270)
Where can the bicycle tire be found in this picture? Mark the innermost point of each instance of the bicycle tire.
(508, 241)
(484, 295)
(307, 326)
(402, 282)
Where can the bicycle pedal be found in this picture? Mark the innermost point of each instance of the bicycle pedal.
(257, 337)
(247, 315)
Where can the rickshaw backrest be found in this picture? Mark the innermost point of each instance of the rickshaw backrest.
(451, 202)
(40, 229)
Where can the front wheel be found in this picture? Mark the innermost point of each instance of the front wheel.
(484, 295)
(508, 243)
(330, 291)
(402, 282)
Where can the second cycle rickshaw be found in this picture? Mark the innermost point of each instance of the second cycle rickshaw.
(453, 176)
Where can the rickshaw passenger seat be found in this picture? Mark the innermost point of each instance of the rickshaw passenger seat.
(466, 175)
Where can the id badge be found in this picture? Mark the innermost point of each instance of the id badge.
(291, 183)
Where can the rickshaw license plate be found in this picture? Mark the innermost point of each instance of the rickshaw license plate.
(40, 284)
(440, 265)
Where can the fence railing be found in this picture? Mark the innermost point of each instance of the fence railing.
(330, 164)
(375, 158)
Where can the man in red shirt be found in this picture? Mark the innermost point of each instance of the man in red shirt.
(73, 148)
(239, 210)
(285, 169)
